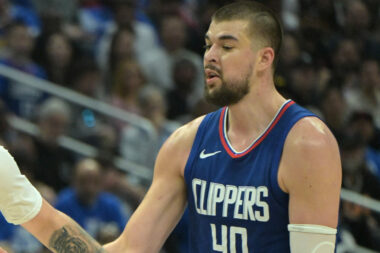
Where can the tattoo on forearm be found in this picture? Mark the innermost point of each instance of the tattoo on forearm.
(69, 239)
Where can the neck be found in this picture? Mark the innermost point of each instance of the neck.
(251, 116)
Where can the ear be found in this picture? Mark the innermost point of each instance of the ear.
(265, 58)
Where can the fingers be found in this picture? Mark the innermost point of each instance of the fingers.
(2, 250)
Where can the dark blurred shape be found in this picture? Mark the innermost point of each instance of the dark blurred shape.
(363, 123)
(179, 97)
(53, 163)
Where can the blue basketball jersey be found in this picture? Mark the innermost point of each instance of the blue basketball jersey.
(234, 200)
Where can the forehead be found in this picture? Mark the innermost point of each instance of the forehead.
(236, 28)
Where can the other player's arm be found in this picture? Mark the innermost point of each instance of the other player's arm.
(60, 233)
(165, 200)
(310, 171)
(21, 203)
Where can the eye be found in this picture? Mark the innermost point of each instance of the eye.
(227, 48)
(206, 47)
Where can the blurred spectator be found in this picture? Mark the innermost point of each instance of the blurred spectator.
(290, 55)
(322, 14)
(55, 53)
(66, 10)
(124, 16)
(356, 173)
(202, 107)
(128, 82)
(94, 18)
(159, 8)
(180, 98)
(11, 12)
(186, 10)
(365, 95)
(19, 98)
(291, 52)
(290, 14)
(158, 65)
(358, 25)
(303, 83)
(346, 59)
(87, 124)
(86, 78)
(120, 183)
(357, 19)
(71, 17)
(333, 107)
(362, 223)
(88, 205)
(53, 163)
(361, 124)
(204, 13)
(121, 50)
(139, 145)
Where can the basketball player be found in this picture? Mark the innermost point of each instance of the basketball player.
(261, 174)
(256, 174)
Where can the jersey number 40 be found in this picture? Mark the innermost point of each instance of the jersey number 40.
(227, 239)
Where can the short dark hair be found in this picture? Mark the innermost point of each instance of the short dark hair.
(264, 23)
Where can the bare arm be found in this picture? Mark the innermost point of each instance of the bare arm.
(165, 201)
(60, 233)
(21, 203)
(311, 173)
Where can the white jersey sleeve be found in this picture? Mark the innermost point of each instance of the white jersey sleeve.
(19, 200)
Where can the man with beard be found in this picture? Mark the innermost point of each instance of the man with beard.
(261, 174)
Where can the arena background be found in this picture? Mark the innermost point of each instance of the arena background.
(90, 89)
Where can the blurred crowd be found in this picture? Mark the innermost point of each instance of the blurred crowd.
(145, 57)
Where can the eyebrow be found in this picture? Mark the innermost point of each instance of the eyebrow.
(223, 37)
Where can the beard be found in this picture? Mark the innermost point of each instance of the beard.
(228, 93)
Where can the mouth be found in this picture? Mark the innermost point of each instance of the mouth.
(211, 76)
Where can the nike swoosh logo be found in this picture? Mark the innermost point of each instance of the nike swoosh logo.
(202, 155)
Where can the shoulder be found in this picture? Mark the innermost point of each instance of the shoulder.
(177, 147)
(310, 132)
(185, 134)
(310, 151)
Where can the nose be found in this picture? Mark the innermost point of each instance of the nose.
(210, 55)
